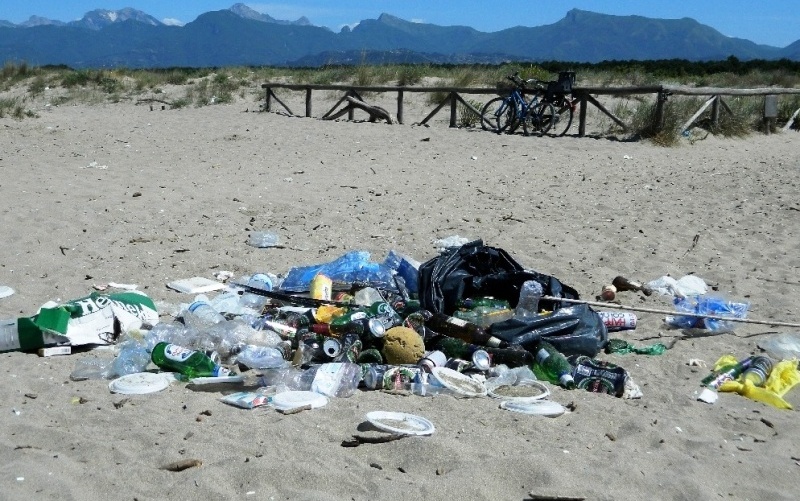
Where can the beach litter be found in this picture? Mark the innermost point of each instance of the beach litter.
(469, 323)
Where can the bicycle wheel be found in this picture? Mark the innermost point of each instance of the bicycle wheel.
(497, 114)
(563, 117)
(539, 119)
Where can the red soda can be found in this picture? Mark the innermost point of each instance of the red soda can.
(618, 320)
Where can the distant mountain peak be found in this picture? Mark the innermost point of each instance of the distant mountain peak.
(41, 21)
(100, 18)
(246, 12)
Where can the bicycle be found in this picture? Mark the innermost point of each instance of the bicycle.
(564, 106)
(503, 114)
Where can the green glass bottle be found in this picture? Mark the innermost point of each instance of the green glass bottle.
(552, 366)
(485, 302)
(188, 362)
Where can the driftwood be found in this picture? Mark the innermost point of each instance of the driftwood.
(375, 112)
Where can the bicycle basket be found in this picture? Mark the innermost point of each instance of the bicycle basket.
(567, 80)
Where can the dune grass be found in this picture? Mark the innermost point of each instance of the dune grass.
(212, 86)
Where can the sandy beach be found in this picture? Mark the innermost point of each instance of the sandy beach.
(93, 194)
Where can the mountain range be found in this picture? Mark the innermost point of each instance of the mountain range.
(241, 36)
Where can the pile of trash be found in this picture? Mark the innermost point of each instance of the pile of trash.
(470, 322)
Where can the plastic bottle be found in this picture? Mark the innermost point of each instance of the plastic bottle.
(336, 379)
(552, 366)
(132, 358)
(188, 362)
(261, 357)
(759, 370)
(529, 295)
(202, 314)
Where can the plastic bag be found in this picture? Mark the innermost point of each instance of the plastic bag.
(706, 305)
(353, 267)
(474, 270)
(782, 346)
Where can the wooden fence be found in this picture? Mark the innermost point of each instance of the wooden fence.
(584, 96)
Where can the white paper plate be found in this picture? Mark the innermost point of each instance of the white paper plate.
(217, 379)
(546, 408)
(458, 382)
(139, 383)
(527, 391)
(5, 291)
(400, 423)
(195, 285)
(293, 399)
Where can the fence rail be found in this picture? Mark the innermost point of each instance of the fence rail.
(585, 96)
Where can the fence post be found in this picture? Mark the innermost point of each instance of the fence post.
(453, 110)
(308, 102)
(715, 112)
(582, 122)
(659, 118)
(770, 111)
(400, 107)
(268, 103)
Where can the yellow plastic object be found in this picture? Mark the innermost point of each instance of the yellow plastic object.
(784, 377)
(325, 313)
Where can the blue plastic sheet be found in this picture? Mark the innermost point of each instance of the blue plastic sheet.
(353, 267)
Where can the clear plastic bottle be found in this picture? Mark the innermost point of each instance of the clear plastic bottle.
(202, 314)
(132, 358)
(529, 295)
(261, 357)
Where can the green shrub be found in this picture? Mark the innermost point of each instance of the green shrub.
(467, 117)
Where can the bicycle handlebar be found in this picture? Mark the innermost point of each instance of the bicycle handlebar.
(525, 83)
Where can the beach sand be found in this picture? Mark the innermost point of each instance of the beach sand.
(103, 193)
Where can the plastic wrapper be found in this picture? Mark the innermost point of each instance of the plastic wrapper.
(706, 305)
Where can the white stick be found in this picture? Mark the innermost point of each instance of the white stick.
(674, 313)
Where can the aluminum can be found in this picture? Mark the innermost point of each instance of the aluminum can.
(618, 320)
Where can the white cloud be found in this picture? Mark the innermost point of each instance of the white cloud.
(418, 21)
(169, 21)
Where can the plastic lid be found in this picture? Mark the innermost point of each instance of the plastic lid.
(526, 391)
(139, 383)
(293, 399)
(400, 423)
(458, 382)
(546, 408)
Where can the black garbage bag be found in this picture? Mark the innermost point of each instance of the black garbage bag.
(475, 270)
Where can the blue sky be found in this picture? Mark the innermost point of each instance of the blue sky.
(776, 22)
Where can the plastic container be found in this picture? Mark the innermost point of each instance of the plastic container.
(202, 314)
(336, 379)
(261, 357)
(132, 358)
(263, 239)
(529, 295)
